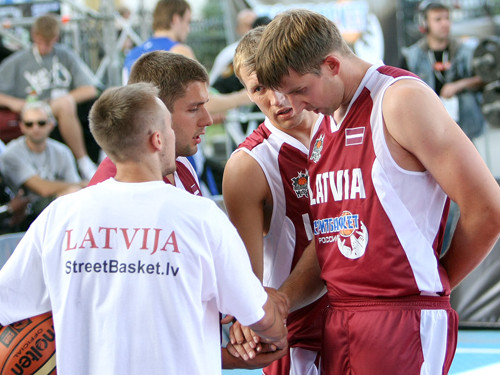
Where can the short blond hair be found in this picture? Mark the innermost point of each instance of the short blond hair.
(122, 117)
(244, 56)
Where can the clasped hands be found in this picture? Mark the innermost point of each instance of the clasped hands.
(247, 345)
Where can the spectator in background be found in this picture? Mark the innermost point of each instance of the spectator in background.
(171, 20)
(244, 21)
(445, 64)
(223, 70)
(54, 73)
(171, 26)
(43, 167)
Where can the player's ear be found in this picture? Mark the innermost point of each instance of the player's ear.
(155, 141)
(332, 64)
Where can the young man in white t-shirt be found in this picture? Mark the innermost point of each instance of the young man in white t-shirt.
(135, 271)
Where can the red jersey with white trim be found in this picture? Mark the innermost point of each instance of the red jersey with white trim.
(283, 160)
(378, 227)
(184, 176)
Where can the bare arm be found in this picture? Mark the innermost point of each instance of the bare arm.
(452, 88)
(418, 123)
(83, 93)
(304, 285)
(245, 191)
(271, 328)
(11, 102)
(47, 188)
(224, 102)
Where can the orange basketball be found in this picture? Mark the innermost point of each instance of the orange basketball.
(28, 347)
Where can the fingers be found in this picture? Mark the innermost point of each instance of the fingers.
(227, 319)
(239, 334)
(243, 351)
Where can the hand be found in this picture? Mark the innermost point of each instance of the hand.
(266, 354)
(281, 301)
(264, 357)
(449, 90)
(240, 334)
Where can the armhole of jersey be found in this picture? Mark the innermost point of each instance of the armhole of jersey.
(382, 135)
(316, 125)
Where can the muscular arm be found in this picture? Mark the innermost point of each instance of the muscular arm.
(421, 135)
(246, 194)
(304, 285)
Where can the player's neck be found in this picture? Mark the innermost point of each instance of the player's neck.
(131, 171)
(170, 177)
(165, 34)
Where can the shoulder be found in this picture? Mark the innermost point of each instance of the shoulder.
(60, 50)
(13, 59)
(183, 49)
(243, 172)
(58, 146)
(14, 147)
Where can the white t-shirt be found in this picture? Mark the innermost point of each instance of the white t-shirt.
(135, 275)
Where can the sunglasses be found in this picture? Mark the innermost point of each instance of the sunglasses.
(29, 124)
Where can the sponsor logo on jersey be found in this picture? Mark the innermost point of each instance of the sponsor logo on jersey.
(354, 136)
(350, 234)
(318, 146)
(300, 184)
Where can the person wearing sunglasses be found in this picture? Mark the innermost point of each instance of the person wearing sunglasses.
(43, 167)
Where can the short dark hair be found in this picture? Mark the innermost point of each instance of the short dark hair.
(165, 10)
(170, 72)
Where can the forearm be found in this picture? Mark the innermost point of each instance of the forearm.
(271, 327)
(83, 93)
(11, 102)
(472, 241)
(224, 102)
(456, 87)
(46, 188)
(304, 285)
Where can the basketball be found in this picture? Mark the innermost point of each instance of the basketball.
(28, 347)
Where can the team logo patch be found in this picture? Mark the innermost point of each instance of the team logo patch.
(299, 184)
(318, 146)
(354, 136)
(351, 234)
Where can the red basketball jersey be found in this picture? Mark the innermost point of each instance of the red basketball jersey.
(378, 227)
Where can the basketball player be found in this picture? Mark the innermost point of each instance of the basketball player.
(133, 293)
(269, 169)
(183, 84)
(381, 171)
